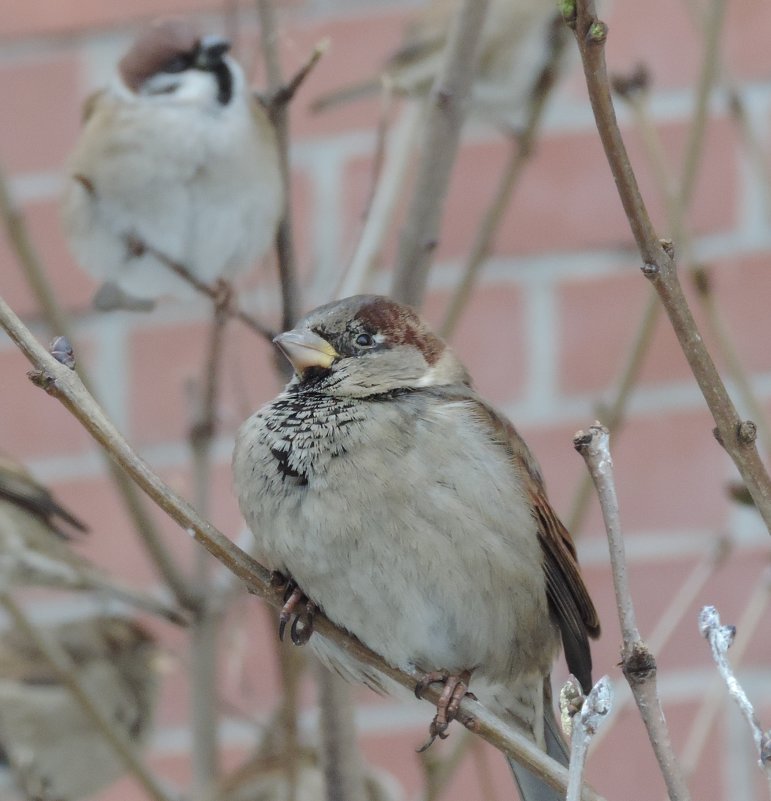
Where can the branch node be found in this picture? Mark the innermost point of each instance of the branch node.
(61, 349)
(747, 432)
(44, 380)
(597, 33)
(668, 247)
(651, 270)
(638, 664)
(568, 11)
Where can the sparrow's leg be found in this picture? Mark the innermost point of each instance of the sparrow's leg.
(455, 689)
(294, 597)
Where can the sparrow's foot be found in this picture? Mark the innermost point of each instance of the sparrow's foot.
(455, 689)
(295, 604)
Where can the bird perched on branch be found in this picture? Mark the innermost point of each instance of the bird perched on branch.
(50, 746)
(518, 41)
(413, 514)
(177, 165)
(34, 548)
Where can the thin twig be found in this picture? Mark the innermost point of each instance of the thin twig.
(340, 755)
(703, 723)
(63, 384)
(522, 146)
(279, 114)
(58, 659)
(687, 592)
(213, 291)
(447, 105)
(638, 661)
(59, 325)
(585, 723)
(736, 437)
(205, 627)
(613, 413)
(398, 158)
(720, 639)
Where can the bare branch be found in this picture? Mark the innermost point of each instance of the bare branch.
(522, 146)
(720, 639)
(340, 755)
(594, 712)
(447, 106)
(279, 114)
(65, 385)
(755, 613)
(659, 267)
(638, 662)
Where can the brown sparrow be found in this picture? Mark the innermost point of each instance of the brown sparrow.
(177, 162)
(516, 44)
(413, 514)
(48, 744)
(34, 551)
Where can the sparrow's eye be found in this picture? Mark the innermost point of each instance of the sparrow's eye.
(365, 340)
(177, 64)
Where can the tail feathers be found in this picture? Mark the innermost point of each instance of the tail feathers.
(532, 788)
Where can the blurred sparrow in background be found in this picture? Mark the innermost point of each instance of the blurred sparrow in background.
(177, 162)
(414, 515)
(34, 529)
(516, 44)
(48, 744)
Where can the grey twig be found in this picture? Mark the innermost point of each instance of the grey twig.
(668, 622)
(522, 146)
(67, 672)
(279, 113)
(720, 639)
(638, 662)
(340, 756)
(594, 712)
(63, 384)
(702, 724)
(735, 435)
(447, 106)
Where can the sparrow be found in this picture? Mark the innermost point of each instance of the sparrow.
(48, 744)
(177, 163)
(410, 511)
(517, 42)
(35, 544)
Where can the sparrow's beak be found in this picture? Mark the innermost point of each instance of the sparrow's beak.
(304, 349)
(210, 52)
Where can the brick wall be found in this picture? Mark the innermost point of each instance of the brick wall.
(545, 336)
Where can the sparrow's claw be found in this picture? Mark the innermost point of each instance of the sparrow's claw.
(302, 626)
(454, 690)
(294, 597)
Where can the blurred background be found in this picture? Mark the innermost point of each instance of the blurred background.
(548, 332)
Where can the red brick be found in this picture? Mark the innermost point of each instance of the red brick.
(168, 358)
(33, 424)
(51, 17)
(741, 286)
(489, 339)
(42, 99)
(599, 320)
(359, 45)
(72, 287)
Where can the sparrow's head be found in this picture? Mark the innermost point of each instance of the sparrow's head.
(368, 345)
(171, 58)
